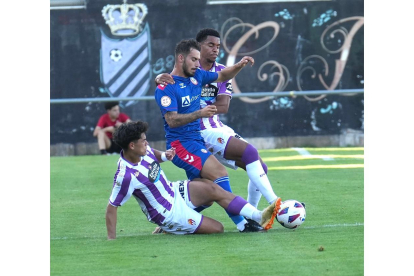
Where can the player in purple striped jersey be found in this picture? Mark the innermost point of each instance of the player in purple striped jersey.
(168, 204)
(179, 104)
(227, 146)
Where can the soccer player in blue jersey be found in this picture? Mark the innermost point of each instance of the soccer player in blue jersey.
(180, 106)
(170, 205)
(227, 146)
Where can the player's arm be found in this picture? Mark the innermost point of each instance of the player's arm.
(162, 156)
(232, 71)
(175, 119)
(222, 103)
(111, 216)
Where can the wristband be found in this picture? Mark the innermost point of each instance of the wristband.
(164, 157)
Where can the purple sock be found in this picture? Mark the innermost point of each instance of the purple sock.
(250, 155)
(236, 205)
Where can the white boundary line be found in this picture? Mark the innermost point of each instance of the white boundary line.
(304, 152)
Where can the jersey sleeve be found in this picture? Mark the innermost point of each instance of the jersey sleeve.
(207, 77)
(225, 88)
(121, 191)
(166, 98)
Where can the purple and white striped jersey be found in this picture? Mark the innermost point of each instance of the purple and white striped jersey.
(147, 183)
(209, 94)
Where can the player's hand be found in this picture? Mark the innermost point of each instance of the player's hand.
(208, 111)
(170, 153)
(245, 60)
(164, 79)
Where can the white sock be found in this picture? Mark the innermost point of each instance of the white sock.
(253, 194)
(247, 211)
(257, 216)
(260, 180)
(240, 226)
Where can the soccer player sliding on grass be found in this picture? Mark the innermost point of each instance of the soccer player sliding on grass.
(169, 204)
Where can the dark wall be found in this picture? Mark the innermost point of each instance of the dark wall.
(293, 59)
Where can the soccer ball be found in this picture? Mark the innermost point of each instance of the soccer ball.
(292, 214)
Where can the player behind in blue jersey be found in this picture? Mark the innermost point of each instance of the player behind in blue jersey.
(227, 146)
(180, 107)
(168, 204)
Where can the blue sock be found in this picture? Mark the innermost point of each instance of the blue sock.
(224, 182)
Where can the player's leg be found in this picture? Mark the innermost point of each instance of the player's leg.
(198, 162)
(248, 158)
(209, 226)
(202, 191)
(216, 172)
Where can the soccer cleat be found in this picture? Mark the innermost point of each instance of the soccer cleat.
(269, 214)
(252, 226)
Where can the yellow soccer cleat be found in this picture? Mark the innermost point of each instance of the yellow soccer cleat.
(269, 214)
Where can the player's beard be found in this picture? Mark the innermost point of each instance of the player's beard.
(186, 72)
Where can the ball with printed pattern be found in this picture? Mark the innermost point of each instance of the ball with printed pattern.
(292, 214)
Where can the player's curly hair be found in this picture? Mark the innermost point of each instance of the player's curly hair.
(184, 47)
(202, 34)
(129, 132)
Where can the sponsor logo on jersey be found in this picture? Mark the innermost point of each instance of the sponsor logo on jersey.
(165, 101)
(136, 173)
(191, 222)
(194, 81)
(181, 189)
(154, 171)
(185, 101)
(220, 140)
(209, 92)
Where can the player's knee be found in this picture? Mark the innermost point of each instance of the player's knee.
(221, 171)
(250, 155)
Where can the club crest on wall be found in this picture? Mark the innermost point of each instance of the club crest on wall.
(125, 55)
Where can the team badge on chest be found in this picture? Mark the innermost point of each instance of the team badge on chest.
(194, 81)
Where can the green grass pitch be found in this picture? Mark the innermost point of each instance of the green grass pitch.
(330, 181)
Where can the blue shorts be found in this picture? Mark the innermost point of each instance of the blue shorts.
(190, 156)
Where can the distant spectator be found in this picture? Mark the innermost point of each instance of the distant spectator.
(106, 126)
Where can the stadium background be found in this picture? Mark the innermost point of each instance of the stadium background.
(300, 47)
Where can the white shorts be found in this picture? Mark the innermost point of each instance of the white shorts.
(184, 219)
(216, 140)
